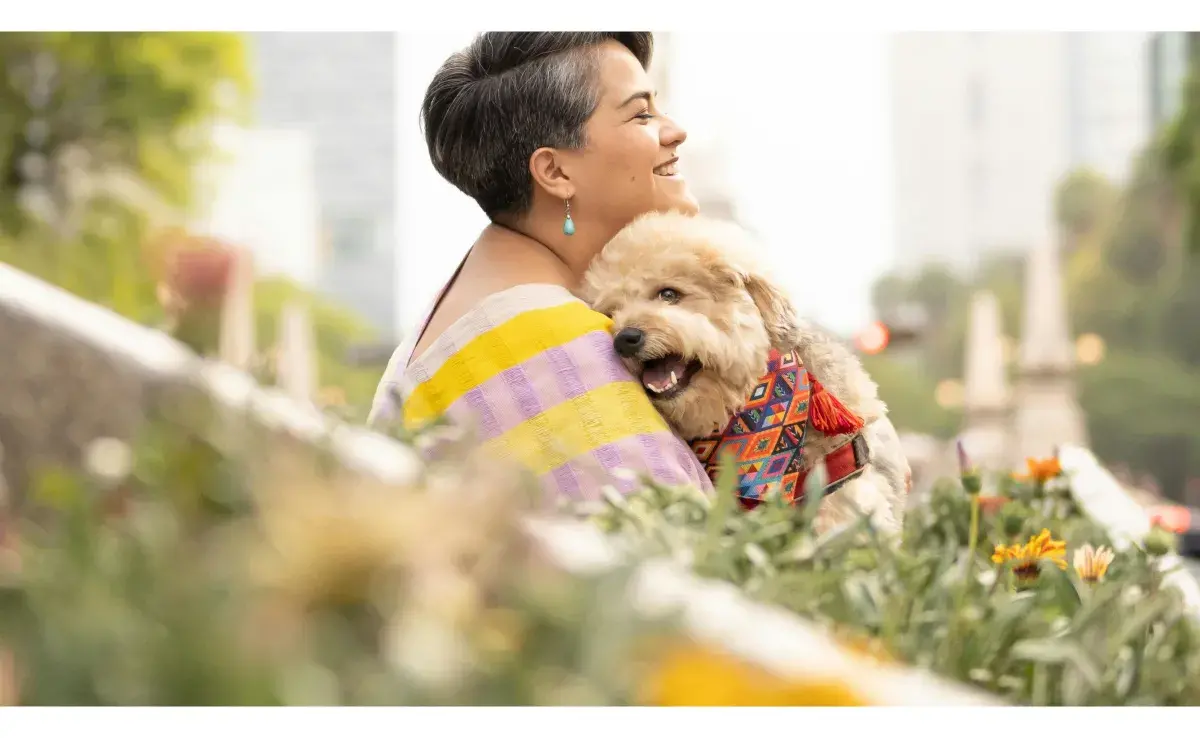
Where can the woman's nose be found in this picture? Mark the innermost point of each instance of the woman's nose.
(671, 134)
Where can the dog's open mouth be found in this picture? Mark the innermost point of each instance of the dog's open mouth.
(667, 376)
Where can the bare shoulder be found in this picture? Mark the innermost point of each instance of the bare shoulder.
(493, 268)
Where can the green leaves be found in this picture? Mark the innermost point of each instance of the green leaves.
(204, 590)
(127, 109)
(164, 601)
(1060, 640)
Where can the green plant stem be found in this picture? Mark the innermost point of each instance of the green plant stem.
(972, 541)
(973, 535)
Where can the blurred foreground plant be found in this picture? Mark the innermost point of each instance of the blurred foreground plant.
(179, 571)
(176, 574)
(1105, 632)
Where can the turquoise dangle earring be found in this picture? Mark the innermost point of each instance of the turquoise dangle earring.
(568, 224)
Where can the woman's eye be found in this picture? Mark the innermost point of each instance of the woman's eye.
(668, 295)
(645, 115)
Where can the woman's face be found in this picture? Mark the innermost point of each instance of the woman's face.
(628, 166)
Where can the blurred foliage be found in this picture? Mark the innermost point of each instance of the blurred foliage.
(1181, 148)
(1034, 634)
(172, 573)
(98, 140)
(187, 570)
(907, 389)
(1127, 281)
(336, 329)
(1083, 201)
(119, 135)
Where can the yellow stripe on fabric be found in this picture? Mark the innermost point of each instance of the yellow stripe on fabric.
(595, 419)
(503, 347)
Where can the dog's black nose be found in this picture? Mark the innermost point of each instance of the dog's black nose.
(629, 341)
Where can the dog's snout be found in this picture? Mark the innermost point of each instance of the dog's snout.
(629, 341)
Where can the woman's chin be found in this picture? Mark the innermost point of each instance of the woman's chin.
(681, 202)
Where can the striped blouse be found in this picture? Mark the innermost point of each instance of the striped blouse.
(532, 372)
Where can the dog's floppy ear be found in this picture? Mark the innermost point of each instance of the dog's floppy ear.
(779, 316)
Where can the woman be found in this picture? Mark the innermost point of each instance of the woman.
(558, 139)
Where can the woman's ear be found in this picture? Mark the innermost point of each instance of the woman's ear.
(546, 167)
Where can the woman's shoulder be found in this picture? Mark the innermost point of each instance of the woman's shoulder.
(527, 329)
(532, 369)
(508, 319)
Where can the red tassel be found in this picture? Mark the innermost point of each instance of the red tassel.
(828, 415)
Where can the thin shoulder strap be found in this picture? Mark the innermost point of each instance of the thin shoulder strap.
(410, 345)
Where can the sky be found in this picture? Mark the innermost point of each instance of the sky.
(804, 128)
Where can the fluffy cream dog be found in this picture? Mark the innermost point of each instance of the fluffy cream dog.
(696, 318)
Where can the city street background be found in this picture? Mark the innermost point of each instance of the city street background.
(898, 182)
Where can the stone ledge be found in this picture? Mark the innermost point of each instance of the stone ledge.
(115, 370)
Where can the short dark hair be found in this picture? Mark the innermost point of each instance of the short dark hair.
(491, 105)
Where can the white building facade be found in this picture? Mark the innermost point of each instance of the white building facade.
(985, 125)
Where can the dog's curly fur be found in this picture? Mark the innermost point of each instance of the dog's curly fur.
(726, 314)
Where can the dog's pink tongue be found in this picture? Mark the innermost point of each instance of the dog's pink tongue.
(657, 375)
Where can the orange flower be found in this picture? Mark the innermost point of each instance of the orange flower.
(991, 504)
(1040, 470)
(692, 676)
(1025, 557)
(1175, 518)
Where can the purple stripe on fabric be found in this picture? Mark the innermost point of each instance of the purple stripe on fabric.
(566, 482)
(527, 401)
(542, 382)
(692, 466)
(566, 372)
(522, 390)
(481, 412)
(609, 456)
(661, 456)
(585, 363)
(660, 468)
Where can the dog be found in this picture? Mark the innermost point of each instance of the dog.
(699, 321)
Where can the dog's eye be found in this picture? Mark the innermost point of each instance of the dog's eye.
(668, 295)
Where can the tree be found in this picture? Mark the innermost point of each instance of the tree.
(1180, 147)
(1125, 281)
(909, 393)
(1082, 201)
(98, 140)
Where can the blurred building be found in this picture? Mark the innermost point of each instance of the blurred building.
(1167, 56)
(985, 125)
(259, 191)
(340, 89)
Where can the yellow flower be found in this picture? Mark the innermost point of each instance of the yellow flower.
(692, 676)
(1025, 557)
(1040, 470)
(1092, 563)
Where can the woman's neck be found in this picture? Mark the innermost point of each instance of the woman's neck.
(574, 252)
(509, 257)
